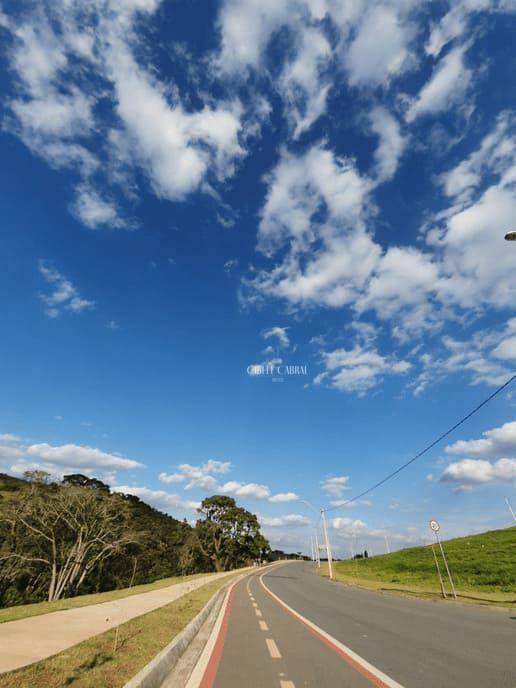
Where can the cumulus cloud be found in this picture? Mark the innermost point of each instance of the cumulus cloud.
(329, 255)
(286, 520)
(282, 497)
(491, 458)
(202, 476)
(63, 296)
(301, 81)
(493, 444)
(277, 334)
(246, 490)
(391, 142)
(380, 49)
(58, 54)
(335, 486)
(358, 369)
(446, 87)
(95, 211)
(16, 457)
(474, 471)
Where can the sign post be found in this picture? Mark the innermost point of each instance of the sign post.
(435, 527)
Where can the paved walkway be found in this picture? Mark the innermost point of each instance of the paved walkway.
(29, 640)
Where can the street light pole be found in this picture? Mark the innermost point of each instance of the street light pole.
(510, 507)
(327, 543)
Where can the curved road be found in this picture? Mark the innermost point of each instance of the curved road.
(288, 627)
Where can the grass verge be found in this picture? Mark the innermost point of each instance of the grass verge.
(483, 568)
(94, 663)
(26, 610)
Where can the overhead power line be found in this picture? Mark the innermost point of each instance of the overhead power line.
(426, 449)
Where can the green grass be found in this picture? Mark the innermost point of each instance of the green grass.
(94, 663)
(37, 608)
(483, 566)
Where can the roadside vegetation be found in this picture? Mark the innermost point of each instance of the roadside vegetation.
(95, 663)
(483, 568)
(76, 538)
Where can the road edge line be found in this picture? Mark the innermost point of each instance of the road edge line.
(376, 676)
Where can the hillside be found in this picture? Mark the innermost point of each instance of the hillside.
(482, 565)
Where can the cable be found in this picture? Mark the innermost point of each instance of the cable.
(426, 449)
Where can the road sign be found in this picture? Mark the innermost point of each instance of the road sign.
(434, 526)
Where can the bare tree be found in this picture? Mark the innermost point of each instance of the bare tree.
(59, 535)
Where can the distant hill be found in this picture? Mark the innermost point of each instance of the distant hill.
(479, 563)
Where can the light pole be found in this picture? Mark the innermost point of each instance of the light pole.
(327, 543)
(510, 507)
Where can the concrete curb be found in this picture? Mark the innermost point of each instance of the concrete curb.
(154, 673)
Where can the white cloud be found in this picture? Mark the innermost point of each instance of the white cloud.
(246, 490)
(495, 155)
(9, 437)
(176, 148)
(279, 334)
(286, 520)
(401, 284)
(494, 443)
(391, 143)
(282, 497)
(64, 296)
(475, 471)
(301, 83)
(491, 458)
(350, 526)
(335, 486)
(446, 87)
(79, 456)
(358, 369)
(94, 211)
(197, 476)
(380, 50)
(58, 460)
(159, 499)
(246, 29)
(330, 255)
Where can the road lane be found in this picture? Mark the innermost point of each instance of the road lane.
(273, 649)
(418, 643)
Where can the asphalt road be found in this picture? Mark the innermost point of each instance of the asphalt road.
(409, 642)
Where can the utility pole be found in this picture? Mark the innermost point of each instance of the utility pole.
(510, 507)
(327, 543)
(317, 553)
(312, 547)
(387, 545)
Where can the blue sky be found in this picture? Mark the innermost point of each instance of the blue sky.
(195, 193)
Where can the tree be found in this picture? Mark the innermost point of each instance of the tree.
(80, 480)
(228, 535)
(58, 537)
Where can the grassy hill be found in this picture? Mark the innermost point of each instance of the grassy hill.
(483, 566)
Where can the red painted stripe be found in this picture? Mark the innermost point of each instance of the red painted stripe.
(211, 670)
(350, 660)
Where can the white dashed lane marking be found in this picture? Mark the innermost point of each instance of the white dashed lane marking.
(273, 648)
(263, 626)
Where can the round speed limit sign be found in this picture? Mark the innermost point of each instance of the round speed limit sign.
(434, 526)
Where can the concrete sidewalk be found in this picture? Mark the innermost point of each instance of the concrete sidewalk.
(29, 640)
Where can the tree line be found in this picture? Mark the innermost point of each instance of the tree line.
(77, 537)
